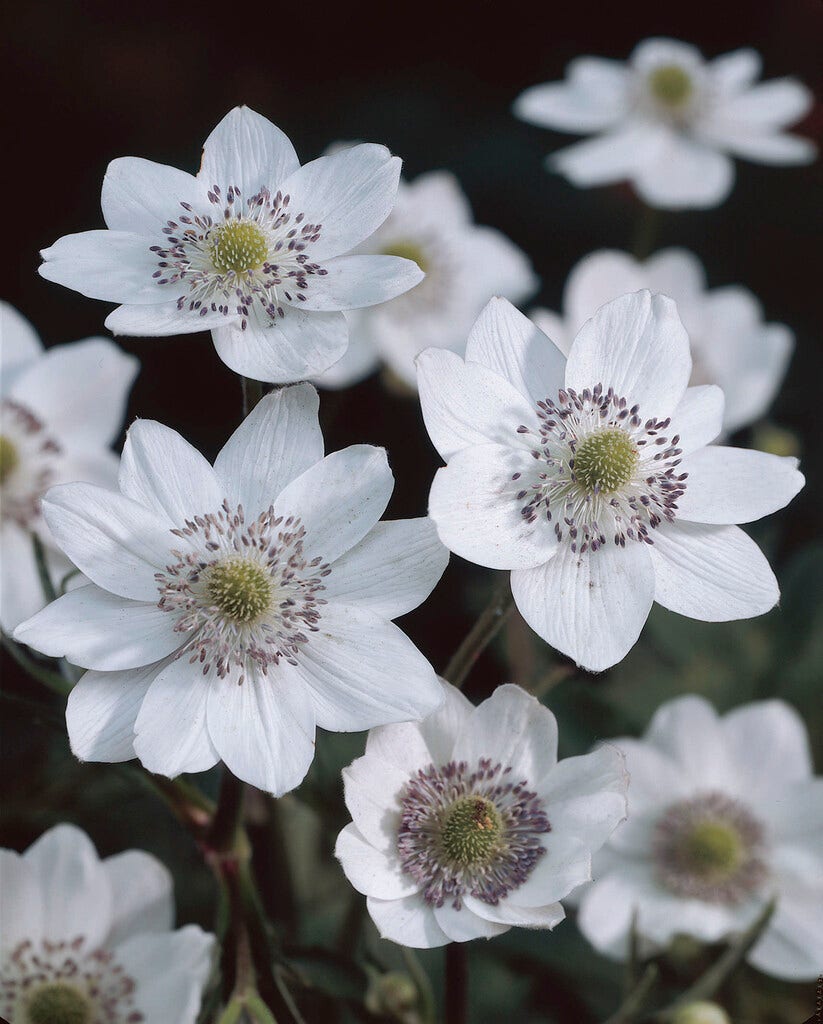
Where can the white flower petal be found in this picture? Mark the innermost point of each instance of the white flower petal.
(352, 282)
(117, 543)
(246, 150)
(733, 72)
(263, 727)
(607, 908)
(493, 265)
(677, 273)
(98, 630)
(698, 418)
(349, 194)
(599, 278)
(21, 592)
(594, 96)
(170, 733)
(654, 778)
(566, 864)
(296, 347)
(508, 913)
(662, 915)
(688, 730)
(80, 390)
(140, 196)
(684, 174)
(372, 872)
(650, 53)
(772, 148)
(511, 346)
(753, 380)
(462, 925)
(143, 890)
(768, 742)
(401, 744)
(278, 440)
(711, 573)
(513, 727)
(338, 499)
(21, 908)
(769, 105)
(21, 344)
(793, 809)
(591, 607)
(162, 319)
(554, 327)
(477, 501)
(585, 796)
(74, 887)
(362, 671)
(409, 922)
(465, 403)
(102, 709)
(392, 570)
(360, 359)
(113, 265)
(170, 972)
(610, 157)
(736, 485)
(165, 474)
(792, 947)
(372, 788)
(637, 345)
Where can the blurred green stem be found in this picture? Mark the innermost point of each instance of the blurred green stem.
(645, 232)
(634, 1002)
(481, 634)
(226, 822)
(428, 1010)
(457, 984)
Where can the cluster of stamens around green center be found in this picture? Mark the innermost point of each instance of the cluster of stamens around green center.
(239, 246)
(471, 830)
(605, 461)
(240, 587)
(9, 459)
(58, 1002)
(407, 251)
(670, 85)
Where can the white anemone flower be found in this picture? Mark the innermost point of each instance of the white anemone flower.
(466, 824)
(731, 345)
(670, 121)
(590, 477)
(88, 941)
(234, 608)
(725, 814)
(60, 410)
(465, 265)
(254, 247)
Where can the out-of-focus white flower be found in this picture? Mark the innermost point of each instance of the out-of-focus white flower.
(465, 265)
(669, 121)
(253, 247)
(591, 477)
(731, 345)
(233, 608)
(466, 824)
(60, 410)
(84, 940)
(724, 814)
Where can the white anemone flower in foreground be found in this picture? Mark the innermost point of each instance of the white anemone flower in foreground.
(590, 477)
(466, 824)
(669, 121)
(60, 410)
(731, 346)
(465, 265)
(234, 608)
(253, 248)
(725, 814)
(88, 941)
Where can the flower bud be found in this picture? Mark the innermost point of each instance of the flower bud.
(701, 1013)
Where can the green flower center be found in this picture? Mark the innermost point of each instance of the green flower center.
(670, 85)
(240, 588)
(712, 849)
(58, 1002)
(238, 245)
(407, 251)
(605, 460)
(9, 459)
(471, 830)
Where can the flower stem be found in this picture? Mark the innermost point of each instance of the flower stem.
(636, 999)
(645, 232)
(457, 984)
(252, 393)
(226, 822)
(481, 634)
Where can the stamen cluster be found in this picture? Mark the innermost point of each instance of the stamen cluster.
(243, 254)
(246, 593)
(29, 454)
(604, 474)
(465, 830)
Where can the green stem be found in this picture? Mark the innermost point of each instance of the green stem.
(481, 634)
(457, 984)
(645, 232)
(636, 999)
(252, 393)
(43, 569)
(226, 822)
(425, 994)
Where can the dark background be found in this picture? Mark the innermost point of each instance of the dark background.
(85, 83)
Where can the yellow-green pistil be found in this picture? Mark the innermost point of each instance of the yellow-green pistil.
(407, 251)
(58, 1002)
(605, 461)
(471, 830)
(9, 459)
(238, 245)
(670, 85)
(240, 588)
(713, 849)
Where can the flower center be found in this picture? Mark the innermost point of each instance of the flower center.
(238, 245)
(605, 461)
(241, 588)
(710, 848)
(670, 85)
(407, 251)
(9, 458)
(58, 1002)
(471, 830)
